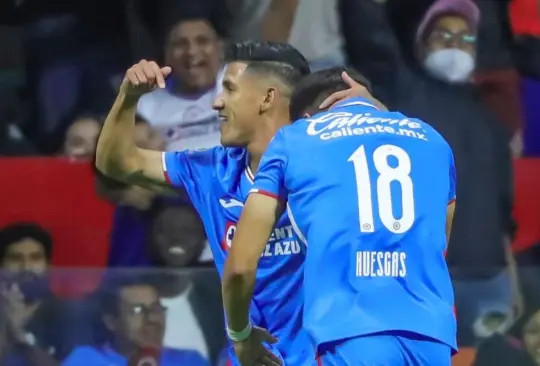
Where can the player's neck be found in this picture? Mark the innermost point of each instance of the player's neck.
(254, 159)
(264, 134)
(256, 149)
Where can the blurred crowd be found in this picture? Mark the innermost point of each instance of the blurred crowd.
(469, 68)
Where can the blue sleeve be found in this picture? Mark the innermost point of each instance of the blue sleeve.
(190, 169)
(452, 191)
(270, 178)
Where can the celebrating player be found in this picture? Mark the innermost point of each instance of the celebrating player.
(253, 105)
(373, 193)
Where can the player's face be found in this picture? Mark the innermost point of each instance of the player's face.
(141, 317)
(193, 51)
(531, 337)
(237, 106)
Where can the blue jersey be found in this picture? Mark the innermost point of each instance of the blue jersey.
(367, 190)
(217, 181)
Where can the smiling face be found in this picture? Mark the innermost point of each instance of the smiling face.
(238, 105)
(177, 236)
(193, 51)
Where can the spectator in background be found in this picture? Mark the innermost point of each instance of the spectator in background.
(520, 346)
(311, 26)
(183, 112)
(135, 318)
(193, 298)
(13, 115)
(432, 81)
(81, 138)
(36, 324)
(147, 137)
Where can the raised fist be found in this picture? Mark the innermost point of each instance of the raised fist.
(144, 77)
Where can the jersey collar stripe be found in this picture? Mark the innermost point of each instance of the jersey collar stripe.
(295, 226)
(164, 166)
(250, 175)
(356, 103)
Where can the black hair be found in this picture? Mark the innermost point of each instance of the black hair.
(313, 89)
(187, 12)
(113, 283)
(278, 59)
(23, 230)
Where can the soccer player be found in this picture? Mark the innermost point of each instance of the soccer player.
(253, 105)
(373, 193)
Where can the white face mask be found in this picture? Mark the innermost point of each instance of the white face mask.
(450, 64)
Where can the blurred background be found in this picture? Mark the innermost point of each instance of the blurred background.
(94, 272)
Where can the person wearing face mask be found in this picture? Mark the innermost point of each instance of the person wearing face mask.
(425, 68)
(446, 39)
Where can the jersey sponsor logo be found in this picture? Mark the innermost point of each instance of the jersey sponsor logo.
(282, 241)
(342, 124)
(381, 264)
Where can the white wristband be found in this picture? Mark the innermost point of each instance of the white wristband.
(240, 336)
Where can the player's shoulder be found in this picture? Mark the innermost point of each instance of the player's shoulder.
(431, 133)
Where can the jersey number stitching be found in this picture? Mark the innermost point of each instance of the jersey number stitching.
(387, 175)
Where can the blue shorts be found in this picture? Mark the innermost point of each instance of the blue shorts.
(385, 349)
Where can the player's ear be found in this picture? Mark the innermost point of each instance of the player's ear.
(269, 98)
(307, 115)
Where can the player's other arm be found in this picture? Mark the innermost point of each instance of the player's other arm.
(263, 208)
(117, 156)
(259, 217)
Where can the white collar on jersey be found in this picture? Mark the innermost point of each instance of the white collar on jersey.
(352, 102)
(249, 174)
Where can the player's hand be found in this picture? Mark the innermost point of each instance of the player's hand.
(252, 352)
(355, 90)
(144, 77)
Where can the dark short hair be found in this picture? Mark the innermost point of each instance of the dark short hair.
(310, 92)
(274, 58)
(14, 233)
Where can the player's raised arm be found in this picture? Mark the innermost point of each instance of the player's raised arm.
(117, 156)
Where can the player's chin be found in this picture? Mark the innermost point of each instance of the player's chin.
(230, 142)
(228, 137)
